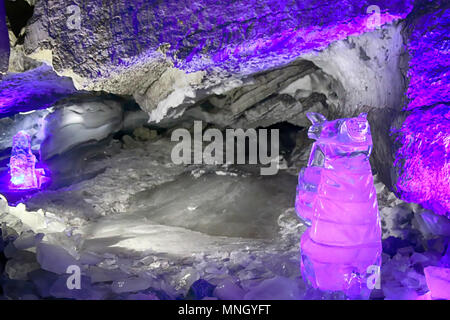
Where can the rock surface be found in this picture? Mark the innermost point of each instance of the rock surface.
(35, 89)
(4, 41)
(422, 158)
(165, 63)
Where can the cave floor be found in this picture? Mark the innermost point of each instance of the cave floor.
(144, 226)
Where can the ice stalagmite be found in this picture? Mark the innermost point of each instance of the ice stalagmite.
(341, 249)
(23, 163)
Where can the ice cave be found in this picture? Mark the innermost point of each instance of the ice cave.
(224, 150)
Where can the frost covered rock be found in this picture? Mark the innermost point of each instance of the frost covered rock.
(37, 221)
(98, 274)
(59, 289)
(421, 167)
(228, 290)
(132, 284)
(145, 134)
(396, 221)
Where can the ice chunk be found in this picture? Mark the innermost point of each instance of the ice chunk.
(60, 290)
(228, 290)
(438, 281)
(22, 165)
(104, 275)
(18, 267)
(27, 240)
(417, 257)
(278, 288)
(90, 258)
(134, 284)
(54, 258)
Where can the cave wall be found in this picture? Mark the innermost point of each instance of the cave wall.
(422, 141)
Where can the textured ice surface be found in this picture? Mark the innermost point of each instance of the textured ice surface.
(422, 161)
(337, 198)
(219, 203)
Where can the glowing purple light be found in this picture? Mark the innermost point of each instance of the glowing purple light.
(337, 198)
(22, 165)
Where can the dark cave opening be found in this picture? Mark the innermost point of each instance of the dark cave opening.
(18, 13)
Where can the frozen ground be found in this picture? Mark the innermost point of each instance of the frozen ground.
(147, 229)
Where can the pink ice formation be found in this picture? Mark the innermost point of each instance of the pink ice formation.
(336, 197)
(22, 165)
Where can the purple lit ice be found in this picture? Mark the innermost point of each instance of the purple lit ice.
(438, 281)
(336, 197)
(22, 165)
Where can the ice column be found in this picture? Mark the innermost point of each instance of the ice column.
(336, 197)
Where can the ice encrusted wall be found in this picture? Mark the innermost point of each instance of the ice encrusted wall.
(422, 162)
